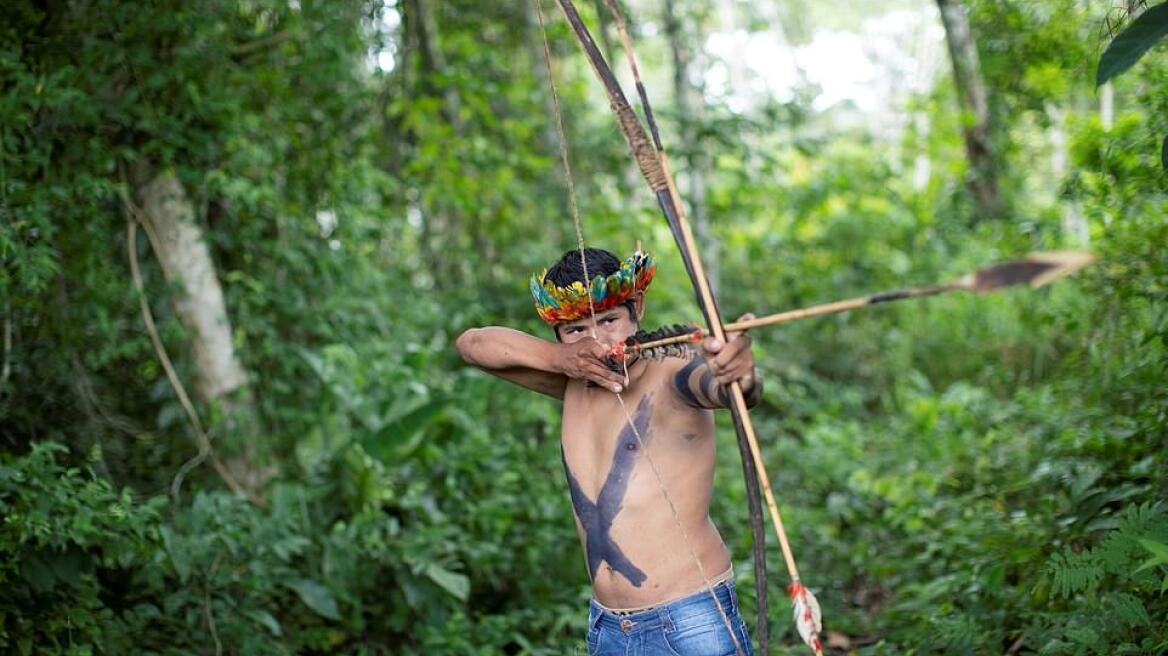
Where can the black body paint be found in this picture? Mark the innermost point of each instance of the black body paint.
(681, 383)
(715, 392)
(596, 517)
(709, 394)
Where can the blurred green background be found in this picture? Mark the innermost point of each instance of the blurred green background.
(960, 475)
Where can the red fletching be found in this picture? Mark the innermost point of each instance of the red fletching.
(808, 618)
(619, 351)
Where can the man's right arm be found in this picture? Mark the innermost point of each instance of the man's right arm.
(535, 363)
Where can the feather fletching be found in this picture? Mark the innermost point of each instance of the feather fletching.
(808, 617)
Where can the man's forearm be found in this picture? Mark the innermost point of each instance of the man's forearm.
(752, 395)
(496, 348)
(700, 388)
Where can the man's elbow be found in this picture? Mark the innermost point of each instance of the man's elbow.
(467, 344)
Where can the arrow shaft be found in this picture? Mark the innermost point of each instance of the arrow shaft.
(1036, 270)
(835, 307)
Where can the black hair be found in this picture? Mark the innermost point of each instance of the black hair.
(570, 269)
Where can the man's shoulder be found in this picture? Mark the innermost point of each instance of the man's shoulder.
(666, 372)
(668, 368)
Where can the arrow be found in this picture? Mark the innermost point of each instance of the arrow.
(1035, 270)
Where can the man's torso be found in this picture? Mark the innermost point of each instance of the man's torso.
(637, 553)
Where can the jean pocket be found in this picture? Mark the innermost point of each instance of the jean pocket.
(711, 639)
(593, 639)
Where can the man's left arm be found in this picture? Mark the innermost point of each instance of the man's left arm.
(704, 382)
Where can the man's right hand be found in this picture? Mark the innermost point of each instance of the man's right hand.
(585, 360)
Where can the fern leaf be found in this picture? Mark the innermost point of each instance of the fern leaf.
(1129, 609)
(1074, 573)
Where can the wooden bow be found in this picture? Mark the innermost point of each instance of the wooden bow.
(653, 163)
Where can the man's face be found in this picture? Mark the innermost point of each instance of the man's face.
(612, 327)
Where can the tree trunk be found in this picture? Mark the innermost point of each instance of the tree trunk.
(1074, 224)
(728, 22)
(441, 222)
(539, 64)
(169, 218)
(550, 135)
(972, 97)
(697, 162)
(178, 244)
(425, 29)
(922, 164)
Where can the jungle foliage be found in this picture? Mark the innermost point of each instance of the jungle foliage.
(967, 474)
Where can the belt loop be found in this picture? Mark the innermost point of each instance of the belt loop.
(666, 618)
(594, 614)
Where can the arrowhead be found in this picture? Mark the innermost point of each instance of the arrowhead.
(1036, 270)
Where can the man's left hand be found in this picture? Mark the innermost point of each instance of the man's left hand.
(733, 360)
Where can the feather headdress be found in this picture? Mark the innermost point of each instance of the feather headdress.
(556, 304)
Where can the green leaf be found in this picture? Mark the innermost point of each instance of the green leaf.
(1159, 557)
(316, 597)
(402, 433)
(37, 573)
(1084, 635)
(1131, 44)
(182, 566)
(452, 582)
(1164, 154)
(1130, 610)
(1158, 549)
(67, 567)
(265, 619)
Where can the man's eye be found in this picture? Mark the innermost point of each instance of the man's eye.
(608, 320)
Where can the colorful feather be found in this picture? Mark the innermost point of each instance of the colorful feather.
(679, 341)
(556, 304)
(808, 618)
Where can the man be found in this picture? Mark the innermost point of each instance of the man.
(643, 536)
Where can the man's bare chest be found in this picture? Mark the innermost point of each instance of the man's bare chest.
(602, 431)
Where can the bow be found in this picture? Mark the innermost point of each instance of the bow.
(653, 164)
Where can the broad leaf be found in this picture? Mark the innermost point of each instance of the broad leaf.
(265, 619)
(1159, 554)
(1131, 44)
(177, 553)
(316, 597)
(452, 582)
(401, 434)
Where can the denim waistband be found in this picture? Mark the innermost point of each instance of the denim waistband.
(661, 616)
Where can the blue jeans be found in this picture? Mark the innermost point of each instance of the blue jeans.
(690, 626)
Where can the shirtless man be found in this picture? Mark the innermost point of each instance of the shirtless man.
(649, 595)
